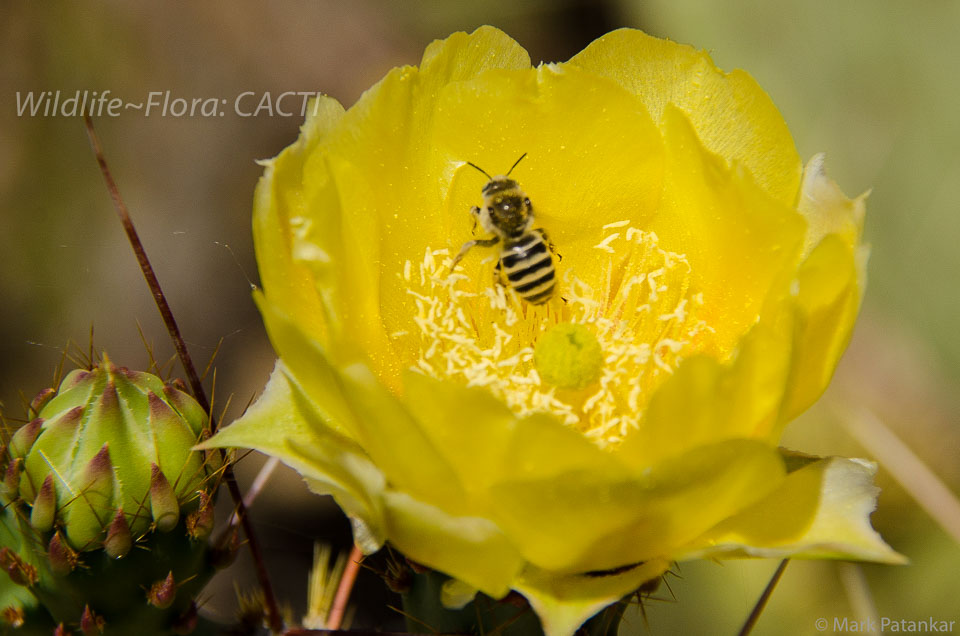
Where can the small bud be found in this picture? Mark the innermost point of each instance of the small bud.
(11, 480)
(200, 521)
(91, 624)
(83, 520)
(162, 593)
(163, 501)
(41, 399)
(44, 506)
(119, 540)
(186, 622)
(63, 559)
(24, 438)
(61, 631)
(21, 572)
(13, 616)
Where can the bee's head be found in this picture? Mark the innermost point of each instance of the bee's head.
(506, 209)
(506, 205)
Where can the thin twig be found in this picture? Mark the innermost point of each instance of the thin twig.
(257, 486)
(762, 601)
(276, 621)
(344, 589)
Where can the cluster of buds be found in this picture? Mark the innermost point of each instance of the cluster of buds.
(107, 466)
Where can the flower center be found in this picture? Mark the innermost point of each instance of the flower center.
(591, 355)
(568, 356)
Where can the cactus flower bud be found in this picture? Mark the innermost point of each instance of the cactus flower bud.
(162, 593)
(44, 506)
(119, 539)
(40, 399)
(200, 521)
(24, 438)
(90, 623)
(63, 558)
(106, 464)
(113, 439)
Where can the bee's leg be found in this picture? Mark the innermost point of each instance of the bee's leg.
(469, 244)
(497, 274)
(553, 248)
(475, 213)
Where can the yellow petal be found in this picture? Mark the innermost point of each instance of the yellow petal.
(731, 114)
(826, 304)
(827, 209)
(706, 401)
(486, 443)
(277, 202)
(581, 521)
(741, 244)
(473, 549)
(820, 511)
(283, 423)
(353, 401)
(565, 601)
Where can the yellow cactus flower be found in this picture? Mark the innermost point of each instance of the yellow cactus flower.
(569, 450)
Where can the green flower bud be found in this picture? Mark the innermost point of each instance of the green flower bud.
(110, 440)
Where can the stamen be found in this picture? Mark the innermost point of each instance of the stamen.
(623, 336)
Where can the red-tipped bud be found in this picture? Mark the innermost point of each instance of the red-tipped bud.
(63, 559)
(73, 378)
(21, 572)
(13, 616)
(200, 521)
(44, 506)
(11, 479)
(91, 624)
(162, 593)
(60, 630)
(186, 622)
(163, 501)
(24, 438)
(40, 400)
(119, 540)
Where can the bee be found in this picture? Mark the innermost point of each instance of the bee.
(526, 255)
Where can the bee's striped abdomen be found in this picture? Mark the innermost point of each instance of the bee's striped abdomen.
(528, 266)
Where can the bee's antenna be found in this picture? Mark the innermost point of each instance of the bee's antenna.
(473, 165)
(515, 163)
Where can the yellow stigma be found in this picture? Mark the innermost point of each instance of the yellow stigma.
(568, 356)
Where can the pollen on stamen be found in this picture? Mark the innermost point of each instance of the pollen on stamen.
(641, 312)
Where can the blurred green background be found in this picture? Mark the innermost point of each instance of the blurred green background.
(872, 83)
